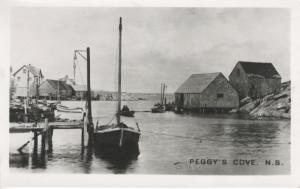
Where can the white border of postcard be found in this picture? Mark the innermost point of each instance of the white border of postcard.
(84, 180)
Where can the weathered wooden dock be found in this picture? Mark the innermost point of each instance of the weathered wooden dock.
(33, 127)
(45, 129)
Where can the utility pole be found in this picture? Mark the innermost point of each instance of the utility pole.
(89, 86)
(89, 103)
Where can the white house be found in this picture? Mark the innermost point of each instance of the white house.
(26, 78)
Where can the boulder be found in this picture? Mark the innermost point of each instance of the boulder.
(245, 100)
(281, 95)
(233, 111)
(247, 108)
(272, 105)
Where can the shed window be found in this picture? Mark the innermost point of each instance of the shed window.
(18, 78)
(220, 95)
(238, 73)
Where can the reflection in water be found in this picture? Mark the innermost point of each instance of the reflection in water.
(118, 159)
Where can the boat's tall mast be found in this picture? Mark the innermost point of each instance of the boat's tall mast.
(163, 94)
(161, 100)
(27, 87)
(119, 72)
(74, 69)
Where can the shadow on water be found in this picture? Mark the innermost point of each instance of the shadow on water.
(119, 160)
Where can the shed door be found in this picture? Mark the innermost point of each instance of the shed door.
(181, 99)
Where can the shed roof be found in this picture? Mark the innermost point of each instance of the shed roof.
(197, 83)
(79, 87)
(266, 70)
(62, 84)
(32, 69)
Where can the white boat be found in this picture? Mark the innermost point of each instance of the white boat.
(61, 108)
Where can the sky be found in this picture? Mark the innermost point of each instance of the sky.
(159, 45)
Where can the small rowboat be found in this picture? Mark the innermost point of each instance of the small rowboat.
(62, 108)
(127, 113)
(158, 108)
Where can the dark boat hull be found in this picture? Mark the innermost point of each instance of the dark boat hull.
(115, 138)
(127, 113)
(157, 110)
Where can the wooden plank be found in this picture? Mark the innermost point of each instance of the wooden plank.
(65, 123)
(24, 129)
(31, 127)
(67, 126)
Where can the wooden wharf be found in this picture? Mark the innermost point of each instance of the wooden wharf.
(33, 127)
(45, 130)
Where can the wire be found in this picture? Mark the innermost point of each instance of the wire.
(80, 73)
(111, 120)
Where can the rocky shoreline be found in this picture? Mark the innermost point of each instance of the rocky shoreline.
(272, 106)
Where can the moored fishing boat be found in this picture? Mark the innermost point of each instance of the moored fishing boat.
(160, 107)
(127, 112)
(118, 135)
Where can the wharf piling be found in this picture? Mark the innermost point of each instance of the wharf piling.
(45, 130)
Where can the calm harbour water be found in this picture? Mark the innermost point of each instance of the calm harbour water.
(169, 143)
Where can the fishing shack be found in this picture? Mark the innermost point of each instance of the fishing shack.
(209, 92)
(53, 89)
(255, 79)
(80, 91)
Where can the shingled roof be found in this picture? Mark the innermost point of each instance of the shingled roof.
(266, 70)
(62, 84)
(197, 83)
(79, 87)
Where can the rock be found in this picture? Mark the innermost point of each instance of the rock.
(245, 100)
(233, 111)
(281, 95)
(272, 105)
(286, 85)
(268, 97)
(283, 106)
(247, 108)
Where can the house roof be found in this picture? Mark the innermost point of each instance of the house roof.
(62, 84)
(197, 83)
(79, 87)
(266, 70)
(32, 69)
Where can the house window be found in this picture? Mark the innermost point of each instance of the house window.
(220, 95)
(18, 78)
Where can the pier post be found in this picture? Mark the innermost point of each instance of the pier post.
(36, 143)
(45, 136)
(90, 126)
(50, 134)
(30, 152)
(82, 136)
